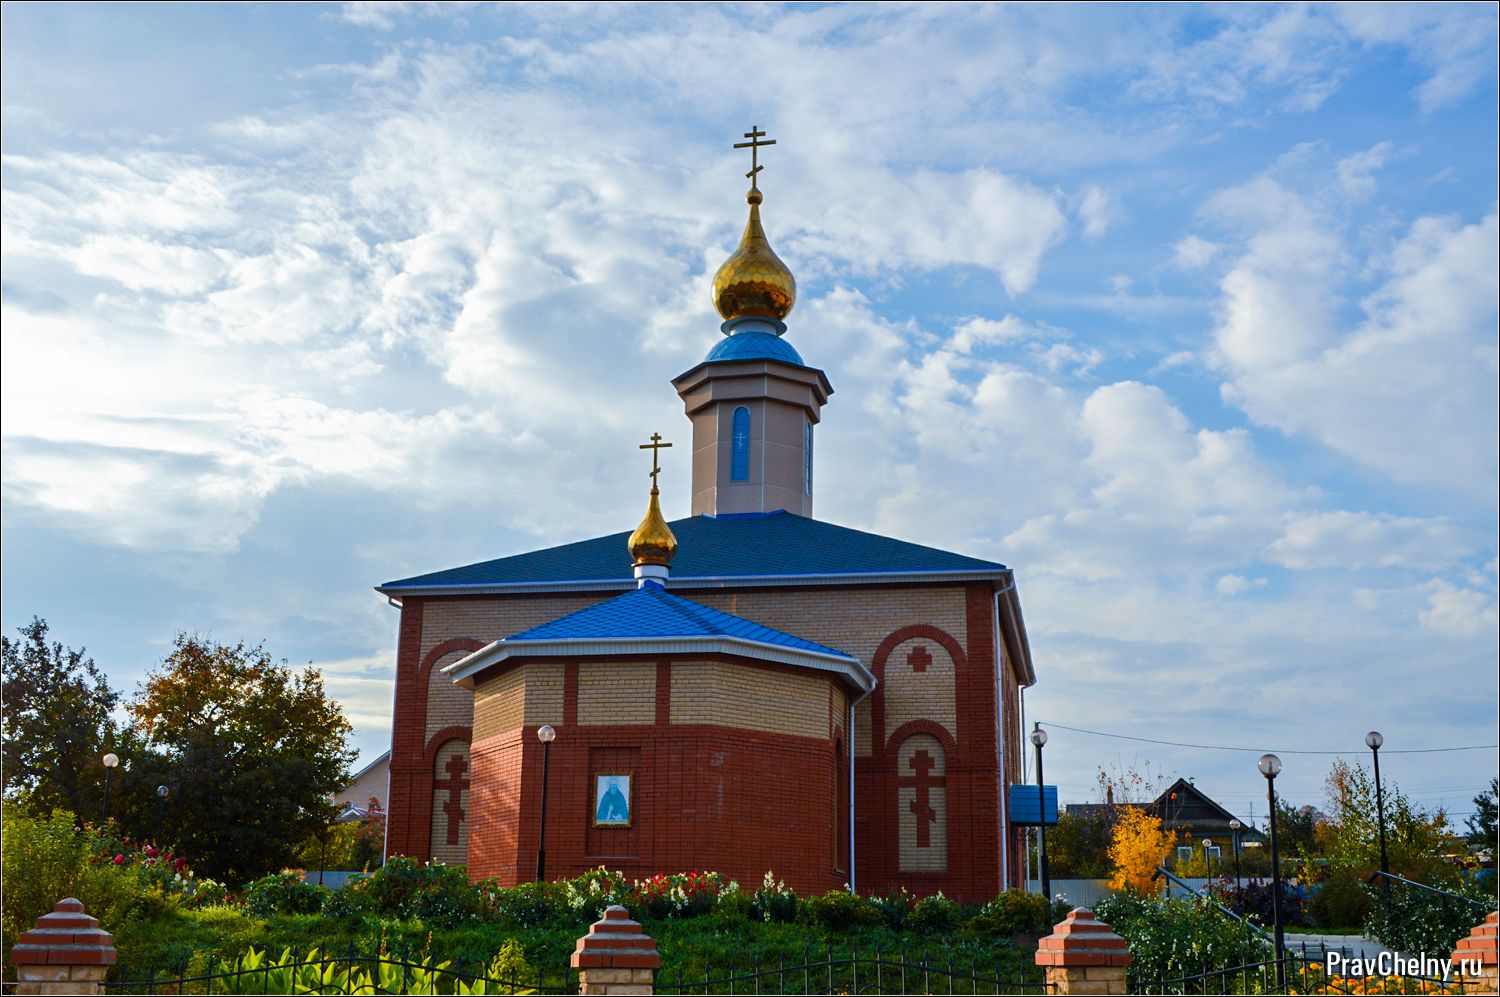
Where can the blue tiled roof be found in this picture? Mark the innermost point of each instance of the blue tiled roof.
(754, 346)
(652, 611)
(772, 544)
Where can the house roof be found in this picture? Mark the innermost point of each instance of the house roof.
(651, 620)
(764, 547)
(1184, 805)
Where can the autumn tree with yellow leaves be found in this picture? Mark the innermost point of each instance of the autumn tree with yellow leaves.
(1137, 848)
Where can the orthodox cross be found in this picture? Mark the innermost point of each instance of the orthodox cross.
(655, 446)
(919, 658)
(754, 145)
(455, 785)
(921, 808)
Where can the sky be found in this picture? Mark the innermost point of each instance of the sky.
(1185, 313)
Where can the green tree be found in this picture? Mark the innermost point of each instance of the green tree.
(1415, 839)
(1078, 847)
(1297, 829)
(1481, 823)
(254, 752)
(57, 725)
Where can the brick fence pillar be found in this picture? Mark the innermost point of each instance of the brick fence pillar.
(1083, 956)
(616, 956)
(1477, 957)
(66, 953)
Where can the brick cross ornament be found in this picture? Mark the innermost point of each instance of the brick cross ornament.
(455, 784)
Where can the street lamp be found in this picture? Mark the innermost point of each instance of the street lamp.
(1208, 862)
(161, 813)
(1234, 828)
(546, 734)
(1373, 741)
(1039, 738)
(110, 760)
(1270, 767)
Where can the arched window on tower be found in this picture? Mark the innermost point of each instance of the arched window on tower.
(807, 457)
(739, 453)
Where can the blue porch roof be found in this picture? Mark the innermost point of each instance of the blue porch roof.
(651, 611)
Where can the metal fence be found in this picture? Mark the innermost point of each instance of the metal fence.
(1301, 970)
(868, 971)
(320, 972)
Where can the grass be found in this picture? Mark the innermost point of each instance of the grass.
(691, 948)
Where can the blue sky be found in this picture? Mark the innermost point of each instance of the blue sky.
(1185, 313)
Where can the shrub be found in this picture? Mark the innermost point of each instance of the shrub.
(773, 902)
(283, 893)
(525, 905)
(1253, 901)
(932, 915)
(1416, 920)
(682, 894)
(1175, 937)
(894, 908)
(838, 910)
(436, 894)
(1341, 901)
(49, 858)
(735, 905)
(1014, 912)
(588, 895)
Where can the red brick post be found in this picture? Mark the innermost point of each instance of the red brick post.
(1477, 957)
(1083, 956)
(616, 957)
(66, 953)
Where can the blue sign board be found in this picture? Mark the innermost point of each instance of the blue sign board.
(1032, 806)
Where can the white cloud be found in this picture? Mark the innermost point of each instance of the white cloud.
(1097, 211)
(1457, 612)
(982, 331)
(1396, 390)
(1194, 252)
(1361, 540)
(1355, 171)
(1237, 584)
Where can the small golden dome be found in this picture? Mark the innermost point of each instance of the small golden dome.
(652, 542)
(754, 281)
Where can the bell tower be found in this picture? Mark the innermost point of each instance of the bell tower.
(752, 401)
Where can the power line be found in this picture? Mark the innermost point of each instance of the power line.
(1284, 751)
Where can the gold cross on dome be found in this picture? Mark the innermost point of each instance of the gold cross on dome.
(754, 145)
(655, 446)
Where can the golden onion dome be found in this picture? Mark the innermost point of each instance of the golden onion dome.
(754, 281)
(652, 542)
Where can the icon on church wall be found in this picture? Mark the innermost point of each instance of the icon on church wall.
(612, 799)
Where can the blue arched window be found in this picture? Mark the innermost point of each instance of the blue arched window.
(807, 457)
(739, 453)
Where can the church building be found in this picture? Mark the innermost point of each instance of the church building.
(747, 689)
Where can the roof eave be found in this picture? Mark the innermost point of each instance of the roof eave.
(690, 582)
(496, 652)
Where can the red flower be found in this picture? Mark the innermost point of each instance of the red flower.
(119, 860)
(150, 852)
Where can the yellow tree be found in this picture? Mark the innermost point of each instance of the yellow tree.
(1137, 849)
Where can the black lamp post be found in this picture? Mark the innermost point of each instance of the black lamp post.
(1373, 740)
(1039, 738)
(1234, 829)
(1270, 767)
(546, 734)
(161, 814)
(1208, 862)
(110, 760)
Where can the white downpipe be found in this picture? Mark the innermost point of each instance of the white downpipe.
(853, 876)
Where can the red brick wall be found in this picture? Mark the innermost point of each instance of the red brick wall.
(973, 781)
(739, 802)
